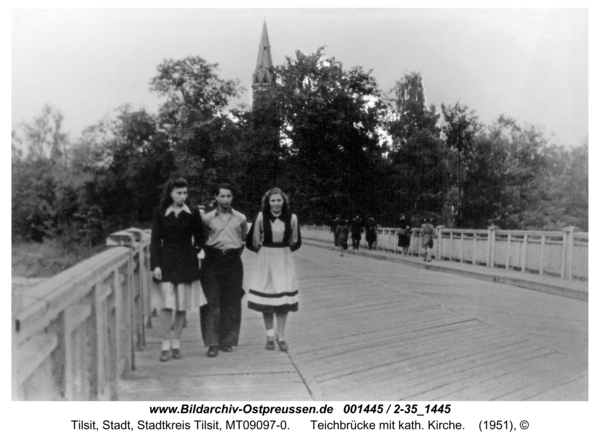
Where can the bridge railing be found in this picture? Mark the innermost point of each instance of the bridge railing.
(75, 334)
(562, 254)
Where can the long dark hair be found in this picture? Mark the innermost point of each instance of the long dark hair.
(171, 184)
(266, 207)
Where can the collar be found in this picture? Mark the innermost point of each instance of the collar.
(214, 213)
(273, 218)
(172, 210)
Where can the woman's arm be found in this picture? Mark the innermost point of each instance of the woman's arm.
(295, 238)
(199, 234)
(155, 245)
(257, 235)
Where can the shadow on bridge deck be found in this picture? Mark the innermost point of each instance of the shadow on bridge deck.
(377, 330)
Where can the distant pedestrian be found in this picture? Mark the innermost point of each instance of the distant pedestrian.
(274, 235)
(404, 233)
(341, 235)
(177, 237)
(427, 236)
(371, 232)
(334, 223)
(356, 229)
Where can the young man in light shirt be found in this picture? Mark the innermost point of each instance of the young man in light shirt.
(222, 274)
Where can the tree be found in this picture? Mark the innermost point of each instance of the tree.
(38, 165)
(44, 136)
(461, 127)
(329, 120)
(202, 132)
(417, 154)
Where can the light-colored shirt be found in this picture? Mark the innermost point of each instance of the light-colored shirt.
(225, 231)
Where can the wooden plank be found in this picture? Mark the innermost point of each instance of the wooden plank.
(379, 330)
(429, 359)
(496, 366)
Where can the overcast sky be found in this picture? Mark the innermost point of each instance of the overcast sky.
(530, 64)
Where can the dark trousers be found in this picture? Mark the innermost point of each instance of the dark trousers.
(222, 277)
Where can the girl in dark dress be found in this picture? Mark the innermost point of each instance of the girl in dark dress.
(404, 235)
(341, 235)
(177, 237)
(357, 229)
(371, 232)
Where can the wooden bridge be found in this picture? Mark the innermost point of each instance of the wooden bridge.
(372, 325)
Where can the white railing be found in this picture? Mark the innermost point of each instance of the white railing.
(557, 253)
(75, 334)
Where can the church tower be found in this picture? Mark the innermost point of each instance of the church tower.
(265, 149)
(263, 77)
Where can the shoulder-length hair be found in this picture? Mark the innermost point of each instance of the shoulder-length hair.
(169, 187)
(266, 207)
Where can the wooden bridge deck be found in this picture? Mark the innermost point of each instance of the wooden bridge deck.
(376, 330)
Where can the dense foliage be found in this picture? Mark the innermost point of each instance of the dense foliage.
(327, 135)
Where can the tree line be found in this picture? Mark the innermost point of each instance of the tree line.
(327, 135)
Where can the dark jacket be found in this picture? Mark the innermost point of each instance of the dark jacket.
(175, 244)
(341, 233)
(371, 228)
(356, 228)
(404, 234)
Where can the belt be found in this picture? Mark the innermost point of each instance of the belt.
(276, 245)
(217, 252)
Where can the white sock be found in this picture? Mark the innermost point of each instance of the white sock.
(166, 345)
(271, 333)
(175, 344)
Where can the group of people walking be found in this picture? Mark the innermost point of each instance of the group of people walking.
(342, 229)
(214, 284)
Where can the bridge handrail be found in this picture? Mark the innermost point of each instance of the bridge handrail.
(75, 334)
(557, 253)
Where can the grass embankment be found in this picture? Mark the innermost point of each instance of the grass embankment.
(48, 258)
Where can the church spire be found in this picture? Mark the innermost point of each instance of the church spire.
(263, 74)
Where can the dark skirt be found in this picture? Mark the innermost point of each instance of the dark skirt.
(403, 240)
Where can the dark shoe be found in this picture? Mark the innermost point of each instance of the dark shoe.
(165, 355)
(177, 354)
(213, 351)
(225, 348)
(283, 346)
(270, 345)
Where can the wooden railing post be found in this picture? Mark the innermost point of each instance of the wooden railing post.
(508, 238)
(473, 257)
(566, 271)
(491, 246)
(439, 248)
(98, 341)
(61, 356)
(542, 250)
(524, 254)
